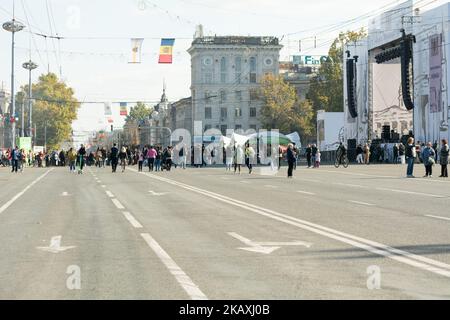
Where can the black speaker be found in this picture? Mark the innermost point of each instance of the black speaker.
(351, 143)
(351, 154)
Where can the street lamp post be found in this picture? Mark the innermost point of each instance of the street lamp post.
(13, 27)
(30, 66)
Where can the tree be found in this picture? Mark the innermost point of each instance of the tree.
(54, 107)
(138, 113)
(282, 110)
(326, 89)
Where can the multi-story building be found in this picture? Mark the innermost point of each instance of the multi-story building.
(226, 72)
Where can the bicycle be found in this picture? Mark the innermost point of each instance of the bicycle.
(341, 160)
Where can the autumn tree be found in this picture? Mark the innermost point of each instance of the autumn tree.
(54, 107)
(138, 113)
(281, 108)
(326, 89)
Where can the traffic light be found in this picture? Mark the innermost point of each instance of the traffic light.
(351, 88)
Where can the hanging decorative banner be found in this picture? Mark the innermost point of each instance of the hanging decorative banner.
(436, 55)
(123, 109)
(136, 50)
(166, 50)
(108, 109)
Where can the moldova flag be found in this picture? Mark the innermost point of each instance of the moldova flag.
(165, 52)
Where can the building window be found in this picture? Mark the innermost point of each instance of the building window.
(254, 94)
(253, 127)
(237, 127)
(208, 77)
(238, 69)
(223, 96)
(238, 95)
(238, 112)
(208, 113)
(207, 97)
(252, 112)
(223, 113)
(223, 129)
(223, 70)
(252, 70)
(207, 127)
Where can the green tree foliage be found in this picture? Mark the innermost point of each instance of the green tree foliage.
(140, 112)
(282, 110)
(326, 89)
(55, 106)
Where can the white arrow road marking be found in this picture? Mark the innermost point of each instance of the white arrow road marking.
(265, 247)
(55, 246)
(156, 194)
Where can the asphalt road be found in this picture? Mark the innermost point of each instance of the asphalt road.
(364, 232)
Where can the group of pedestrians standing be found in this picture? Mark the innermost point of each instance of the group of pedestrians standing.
(429, 156)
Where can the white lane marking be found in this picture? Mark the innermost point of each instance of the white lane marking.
(132, 220)
(361, 203)
(21, 193)
(99, 181)
(356, 174)
(65, 194)
(437, 217)
(265, 247)
(118, 204)
(271, 187)
(182, 278)
(306, 192)
(351, 185)
(55, 246)
(103, 186)
(246, 182)
(109, 194)
(408, 258)
(412, 192)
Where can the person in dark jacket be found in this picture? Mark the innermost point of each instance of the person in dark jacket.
(428, 156)
(114, 157)
(309, 155)
(411, 155)
(290, 160)
(443, 156)
(80, 158)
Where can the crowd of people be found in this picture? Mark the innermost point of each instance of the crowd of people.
(234, 157)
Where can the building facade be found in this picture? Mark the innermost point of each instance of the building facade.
(226, 72)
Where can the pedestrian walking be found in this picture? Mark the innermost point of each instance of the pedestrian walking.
(15, 155)
(140, 160)
(366, 151)
(72, 156)
(123, 158)
(249, 157)
(151, 156)
(443, 158)
(308, 155)
(158, 159)
(318, 156)
(114, 157)
(290, 160)
(229, 157)
(80, 158)
(411, 154)
(238, 158)
(428, 156)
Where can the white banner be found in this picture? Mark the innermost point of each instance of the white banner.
(136, 50)
(108, 109)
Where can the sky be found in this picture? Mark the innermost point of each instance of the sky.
(94, 58)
